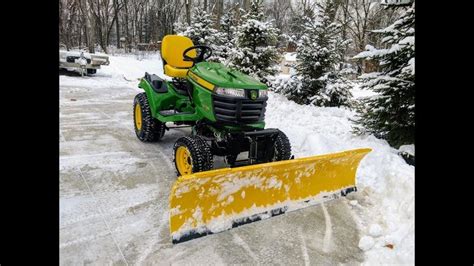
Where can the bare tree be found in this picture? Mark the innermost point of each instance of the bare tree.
(167, 12)
(117, 23)
(187, 4)
(358, 19)
(100, 22)
(88, 22)
(102, 11)
(279, 10)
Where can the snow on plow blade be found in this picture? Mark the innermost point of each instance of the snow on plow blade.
(217, 200)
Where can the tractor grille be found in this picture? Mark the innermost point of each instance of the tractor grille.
(238, 110)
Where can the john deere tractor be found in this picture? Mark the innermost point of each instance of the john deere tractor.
(225, 108)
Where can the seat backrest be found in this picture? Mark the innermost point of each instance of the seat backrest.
(172, 48)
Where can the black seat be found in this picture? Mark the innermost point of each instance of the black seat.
(156, 83)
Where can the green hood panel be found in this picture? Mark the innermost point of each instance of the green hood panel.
(222, 76)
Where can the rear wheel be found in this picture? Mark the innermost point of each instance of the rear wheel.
(282, 148)
(191, 155)
(147, 128)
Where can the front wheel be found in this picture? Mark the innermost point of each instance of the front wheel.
(191, 155)
(282, 148)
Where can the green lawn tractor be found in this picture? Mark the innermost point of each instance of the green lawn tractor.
(226, 110)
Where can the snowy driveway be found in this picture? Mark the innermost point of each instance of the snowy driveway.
(114, 195)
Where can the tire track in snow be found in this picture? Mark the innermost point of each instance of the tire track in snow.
(151, 245)
(66, 222)
(327, 241)
(102, 214)
(239, 241)
(304, 249)
(154, 240)
(62, 135)
(133, 132)
(81, 240)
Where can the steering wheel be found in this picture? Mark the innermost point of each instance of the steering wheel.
(204, 53)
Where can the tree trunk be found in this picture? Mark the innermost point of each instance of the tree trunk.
(109, 30)
(99, 29)
(117, 24)
(246, 5)
(79, 42)
(188, 11)
(89, 27)
(219, 10)
(127, 30)
(91, 31)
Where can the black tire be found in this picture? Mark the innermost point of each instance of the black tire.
(91, 71)
(200, 152)
(282, 147)
(151, 128)
(208, 153)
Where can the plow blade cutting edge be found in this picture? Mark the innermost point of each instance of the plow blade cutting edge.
(217, 200)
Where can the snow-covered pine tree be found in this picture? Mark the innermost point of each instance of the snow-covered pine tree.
(225, 39)
(390, 114)
(201, 30)
(255, 52)
(297, 20)
(318, 80)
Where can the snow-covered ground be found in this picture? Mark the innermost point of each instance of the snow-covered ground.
(383, 208)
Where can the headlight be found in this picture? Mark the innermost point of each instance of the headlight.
(230, 92)
(262, 93)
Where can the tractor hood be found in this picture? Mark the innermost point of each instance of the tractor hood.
(222, 76)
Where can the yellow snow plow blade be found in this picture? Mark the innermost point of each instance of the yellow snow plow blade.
(217, 200)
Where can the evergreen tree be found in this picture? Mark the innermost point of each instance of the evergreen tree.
(225, 39)
(318, 80)
(297, 21)
(255, 52)
(390, 114)
(201, 30)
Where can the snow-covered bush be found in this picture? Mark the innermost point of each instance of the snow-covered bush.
(318, 79)
(255, 52)
(391, 113)
(335, 90)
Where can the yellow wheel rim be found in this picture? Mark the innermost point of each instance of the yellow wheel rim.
(138, 116)
(183, 161)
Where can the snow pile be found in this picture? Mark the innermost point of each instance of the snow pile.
(121, 65)
(385, 181)
(375, 230)
(366, 243)
(123, 71)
